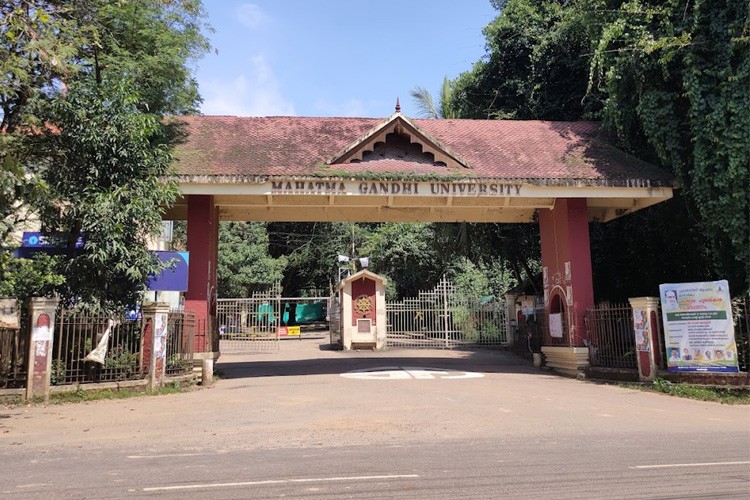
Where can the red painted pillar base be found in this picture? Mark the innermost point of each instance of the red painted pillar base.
(203, 245)
(566, 261)
(41, 344)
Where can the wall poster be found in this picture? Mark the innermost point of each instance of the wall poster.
(555, 325)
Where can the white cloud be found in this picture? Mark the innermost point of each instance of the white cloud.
(257, 95)
(251, 16)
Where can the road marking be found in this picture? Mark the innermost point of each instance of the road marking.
(409, 373)
(280, 481)
(140, 457)
(668, 466)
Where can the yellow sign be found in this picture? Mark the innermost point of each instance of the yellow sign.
(288, 331)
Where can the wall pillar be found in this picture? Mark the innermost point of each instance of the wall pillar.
(646, 330)
(566, 260)
(42, 314)
(567, 281)
(203, 245)
(155, 335)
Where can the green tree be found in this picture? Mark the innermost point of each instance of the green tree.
(311, 249)
(151, 42)
(105, 164)
(37, 45)
(407, 254)
(24, 278)
(676, 78)
(535, 66)
(57, 55)
(670, 80)
(47, 45)
(244, 264)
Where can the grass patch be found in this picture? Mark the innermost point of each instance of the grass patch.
(724, 395)
(81, 395)
(10, 401)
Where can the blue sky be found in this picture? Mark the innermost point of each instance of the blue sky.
(335, 57)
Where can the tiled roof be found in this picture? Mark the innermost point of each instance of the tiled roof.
(539, 152)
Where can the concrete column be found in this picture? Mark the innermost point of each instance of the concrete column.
(42, 314)
(203, 245)
(207, 373)
(155, 335)
(566, 259)
(646, 330)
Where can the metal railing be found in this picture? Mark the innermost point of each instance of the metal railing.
(528, 336)
(13, 357)
(180, 342)
(611, 338)
(446, 318)
(78, 333)
(741, 313)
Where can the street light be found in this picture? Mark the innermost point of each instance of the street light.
(345, 269)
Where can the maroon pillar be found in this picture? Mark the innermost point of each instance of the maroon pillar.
(566, 259)
(203, 245)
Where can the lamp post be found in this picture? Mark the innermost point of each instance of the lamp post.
(347, 264)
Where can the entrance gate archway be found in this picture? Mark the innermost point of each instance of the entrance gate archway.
(560, 174)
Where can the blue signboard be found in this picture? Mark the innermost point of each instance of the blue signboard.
(47, 240)
(174, 278)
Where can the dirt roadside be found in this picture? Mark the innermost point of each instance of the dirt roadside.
(297, 397)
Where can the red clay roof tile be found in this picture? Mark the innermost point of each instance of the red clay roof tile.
(536, 151)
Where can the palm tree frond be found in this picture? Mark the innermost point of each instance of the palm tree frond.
(424, 102)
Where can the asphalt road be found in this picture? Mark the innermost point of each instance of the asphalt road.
(399, 424)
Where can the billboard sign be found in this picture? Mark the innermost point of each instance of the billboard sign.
(698, 327)
(174, 277)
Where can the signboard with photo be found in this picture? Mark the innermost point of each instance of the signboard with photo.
(698, 327)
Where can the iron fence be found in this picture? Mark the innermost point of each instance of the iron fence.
(445, 318)
(78, 333)
(741, 313)
(13, 357)
(529, 333)
(180, 342)
(611, 338)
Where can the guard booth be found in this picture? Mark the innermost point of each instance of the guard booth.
(362, 306)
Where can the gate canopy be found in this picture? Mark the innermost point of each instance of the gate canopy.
(399, 169)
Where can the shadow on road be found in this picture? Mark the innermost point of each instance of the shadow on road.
(336, 362)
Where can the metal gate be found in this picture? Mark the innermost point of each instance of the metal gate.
(445, 318)
(249, 325)
(259, 322)
(611, 341)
